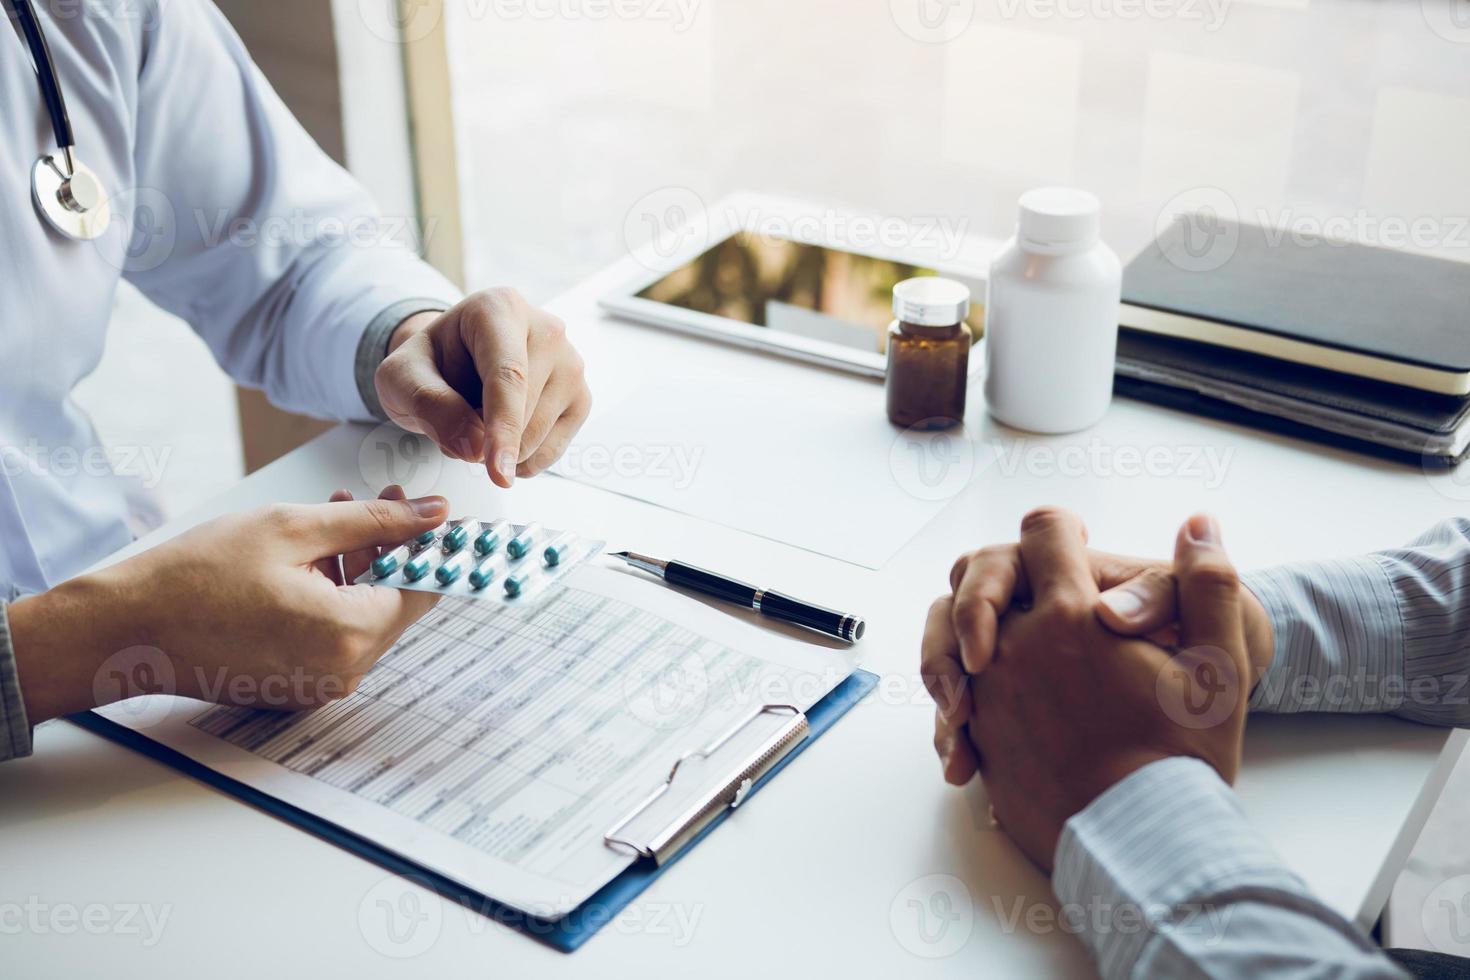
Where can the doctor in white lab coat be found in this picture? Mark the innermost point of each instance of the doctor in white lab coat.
(228, 215)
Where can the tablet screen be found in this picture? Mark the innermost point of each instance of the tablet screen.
(796, 288)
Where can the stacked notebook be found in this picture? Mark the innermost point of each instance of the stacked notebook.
(1342, 343)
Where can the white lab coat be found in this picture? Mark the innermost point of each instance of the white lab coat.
(235, 218)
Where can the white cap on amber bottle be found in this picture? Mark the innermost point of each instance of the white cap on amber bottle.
(931, 301)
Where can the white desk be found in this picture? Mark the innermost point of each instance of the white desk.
(816, 877)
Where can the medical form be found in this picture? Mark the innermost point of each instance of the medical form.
(498, 745)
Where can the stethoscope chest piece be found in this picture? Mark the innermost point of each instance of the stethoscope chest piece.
(76, 206)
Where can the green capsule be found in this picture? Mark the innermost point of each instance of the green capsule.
(520, 546)
(427, 538)
(452, 568)
(557, 550)
(516, 583)
(488, 541)
(483, 574)
(387, 563)
(459, 535)
(417, 568)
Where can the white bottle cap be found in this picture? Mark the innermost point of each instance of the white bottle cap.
(931, 301)
(1058, 220)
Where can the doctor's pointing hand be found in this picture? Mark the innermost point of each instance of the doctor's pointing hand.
(494, 379)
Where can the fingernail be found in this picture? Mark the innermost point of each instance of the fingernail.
(1203, 529)
(1124, 604)
(464, 448)
(428, 506)
(506, 464)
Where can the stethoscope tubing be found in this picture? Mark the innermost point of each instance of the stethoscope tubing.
(25, 15)
(69, 196)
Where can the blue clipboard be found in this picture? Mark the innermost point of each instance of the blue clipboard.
(567, 933)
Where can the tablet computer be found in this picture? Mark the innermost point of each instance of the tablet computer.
(756, 275)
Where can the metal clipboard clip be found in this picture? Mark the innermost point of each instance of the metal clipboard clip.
(722, 784)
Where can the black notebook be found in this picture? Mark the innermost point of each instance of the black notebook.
(1384, 315)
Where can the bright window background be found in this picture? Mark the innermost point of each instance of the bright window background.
(1298, 111)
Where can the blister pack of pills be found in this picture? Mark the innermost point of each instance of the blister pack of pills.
(479, 559)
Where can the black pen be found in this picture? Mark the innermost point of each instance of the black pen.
(844, 626)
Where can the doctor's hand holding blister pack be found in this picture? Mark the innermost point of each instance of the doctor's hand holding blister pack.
(252, 608)
(126, 184)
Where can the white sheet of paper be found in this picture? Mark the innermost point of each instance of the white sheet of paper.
(497, 747)
(759, 427)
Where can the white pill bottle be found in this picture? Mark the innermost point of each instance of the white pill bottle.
(1051, 329)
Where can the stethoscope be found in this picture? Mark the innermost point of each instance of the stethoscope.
(67, 193)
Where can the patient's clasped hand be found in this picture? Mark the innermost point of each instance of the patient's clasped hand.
(1057, 672)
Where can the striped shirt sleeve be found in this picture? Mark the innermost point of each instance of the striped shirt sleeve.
(1163, 877)
(1164, 872)
(15, 730)
(1381, 633)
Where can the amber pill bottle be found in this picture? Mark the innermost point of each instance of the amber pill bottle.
(928, 353)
